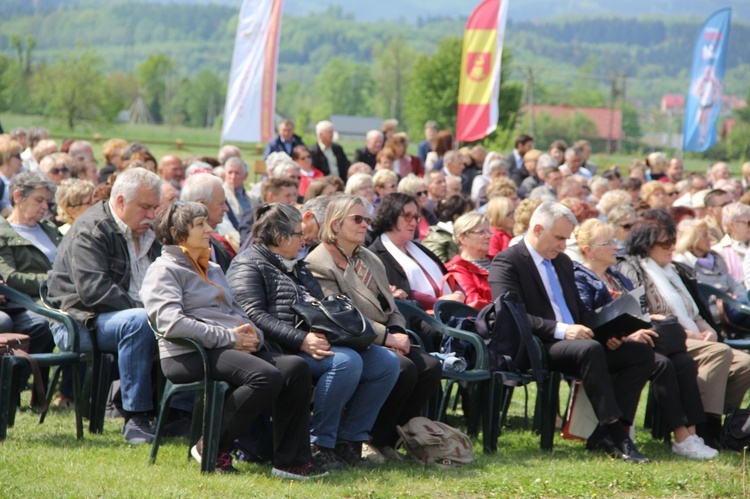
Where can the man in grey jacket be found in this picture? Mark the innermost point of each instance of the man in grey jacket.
(96, 277)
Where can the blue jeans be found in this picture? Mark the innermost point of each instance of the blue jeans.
(351, 387)
(128, 334)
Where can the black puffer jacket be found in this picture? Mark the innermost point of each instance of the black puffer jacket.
(266, 293)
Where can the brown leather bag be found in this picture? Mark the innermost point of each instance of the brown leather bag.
(17, 345)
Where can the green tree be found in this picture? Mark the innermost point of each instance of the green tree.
(197, 102)
(342, 87)
(433, 87)
(153, 77)
(73, 88)
(569, 129)
(391, 68)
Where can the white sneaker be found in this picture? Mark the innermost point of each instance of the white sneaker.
(693, 448)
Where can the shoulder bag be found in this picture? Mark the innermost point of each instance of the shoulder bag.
(337, 317)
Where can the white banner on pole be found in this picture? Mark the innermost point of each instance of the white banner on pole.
(251, 95)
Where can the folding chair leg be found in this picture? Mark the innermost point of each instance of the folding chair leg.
(212, 425)
(548, 410)
(5, 395)
(56, 371)
(77, 399)
(99, 388)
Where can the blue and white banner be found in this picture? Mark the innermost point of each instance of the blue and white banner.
(704, 96)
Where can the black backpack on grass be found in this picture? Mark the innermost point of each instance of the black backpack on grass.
(735, 434)
(505, 329)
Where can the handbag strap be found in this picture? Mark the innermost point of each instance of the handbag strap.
(38, 399)
(334, 320)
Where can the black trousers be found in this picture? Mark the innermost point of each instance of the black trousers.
(418, 379)
(613, 379)
(256, 382)
(676, 390)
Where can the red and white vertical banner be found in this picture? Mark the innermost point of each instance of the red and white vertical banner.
(251, 96)
(479, 86)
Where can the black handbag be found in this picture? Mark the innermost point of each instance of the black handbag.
(671, 338)
(337, 318)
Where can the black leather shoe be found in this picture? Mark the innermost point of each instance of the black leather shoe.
(604, 444)
(627, 451)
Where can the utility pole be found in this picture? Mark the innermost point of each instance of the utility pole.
(530, 97)
(615, 93)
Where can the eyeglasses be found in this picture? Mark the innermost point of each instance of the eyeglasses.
(611, 242)
(665, 244)
(58, 171)
(298, 234)
(627, 226)
(358, 219)
(482, 233)
(421, 193)
(411, 216)
(304, 157)
(672, 194)
(746, 222)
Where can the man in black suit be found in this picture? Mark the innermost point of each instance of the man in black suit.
(523, 144)
(373, 145)
(538, 270)
(327, 156)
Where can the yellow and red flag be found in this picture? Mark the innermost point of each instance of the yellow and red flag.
(479, 86)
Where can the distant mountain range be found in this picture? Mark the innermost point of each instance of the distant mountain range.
(413, 10)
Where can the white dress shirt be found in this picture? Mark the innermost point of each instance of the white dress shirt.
(560, 327)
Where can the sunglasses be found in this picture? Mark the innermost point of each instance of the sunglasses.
(58, 171)
(627, 226)
(666, 244)
(358, 219)
(421, 193)
(411, 216)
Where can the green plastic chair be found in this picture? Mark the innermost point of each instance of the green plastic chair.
(95, 388)
(207, 412)
(504, 382)
(10, 366)
(485, 385)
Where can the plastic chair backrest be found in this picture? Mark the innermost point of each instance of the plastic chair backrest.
(444, 309)
(411, 311)
(23, 300)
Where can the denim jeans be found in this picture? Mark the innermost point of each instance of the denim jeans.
(351, 387)
(128, 334)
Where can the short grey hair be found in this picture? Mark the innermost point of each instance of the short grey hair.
(733, 212)
(497, 164)
(228, 152)
(450, 156)
(357, 182)
(199, 187)
(80, 148)
(234, 160)
(373, 133)
(196, 167)
(284, 168)
(550, 212)
(571, 151)
(274, 159)
(274, 223)
(612, 199)
(130, 180)
(317, 206)
(322, 125)
(545, 161)
(27, 182)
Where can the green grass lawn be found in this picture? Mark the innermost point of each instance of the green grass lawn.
(47, 461)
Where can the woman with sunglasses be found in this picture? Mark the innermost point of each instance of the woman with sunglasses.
(342, 265)
(471, 265)
(675, 384)
(621, 219)
(693, 248)
(670, 290)
(350, 386)
(417, 188)
(415, 271)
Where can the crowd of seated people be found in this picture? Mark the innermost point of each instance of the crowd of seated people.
(198, 249)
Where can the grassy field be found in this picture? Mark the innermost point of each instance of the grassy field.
(47, 461)
(162, 139)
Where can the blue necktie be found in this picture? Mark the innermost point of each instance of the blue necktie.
(557, 293)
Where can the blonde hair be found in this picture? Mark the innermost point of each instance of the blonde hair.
(650, 188)
(523, 215)
(467, 222)
(41, 147)
(357, 182)
(612, 199)
(590, 230)
(689, 231)
(733, 211)
(338, 209)
(411, 184)
(500, 187)
(71, 193)
(498, 209)
(8, 147)
(112, 148)
(382, 177)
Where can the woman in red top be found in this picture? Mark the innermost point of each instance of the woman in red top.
(308, 173)
(501, 215)
(471, 266)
